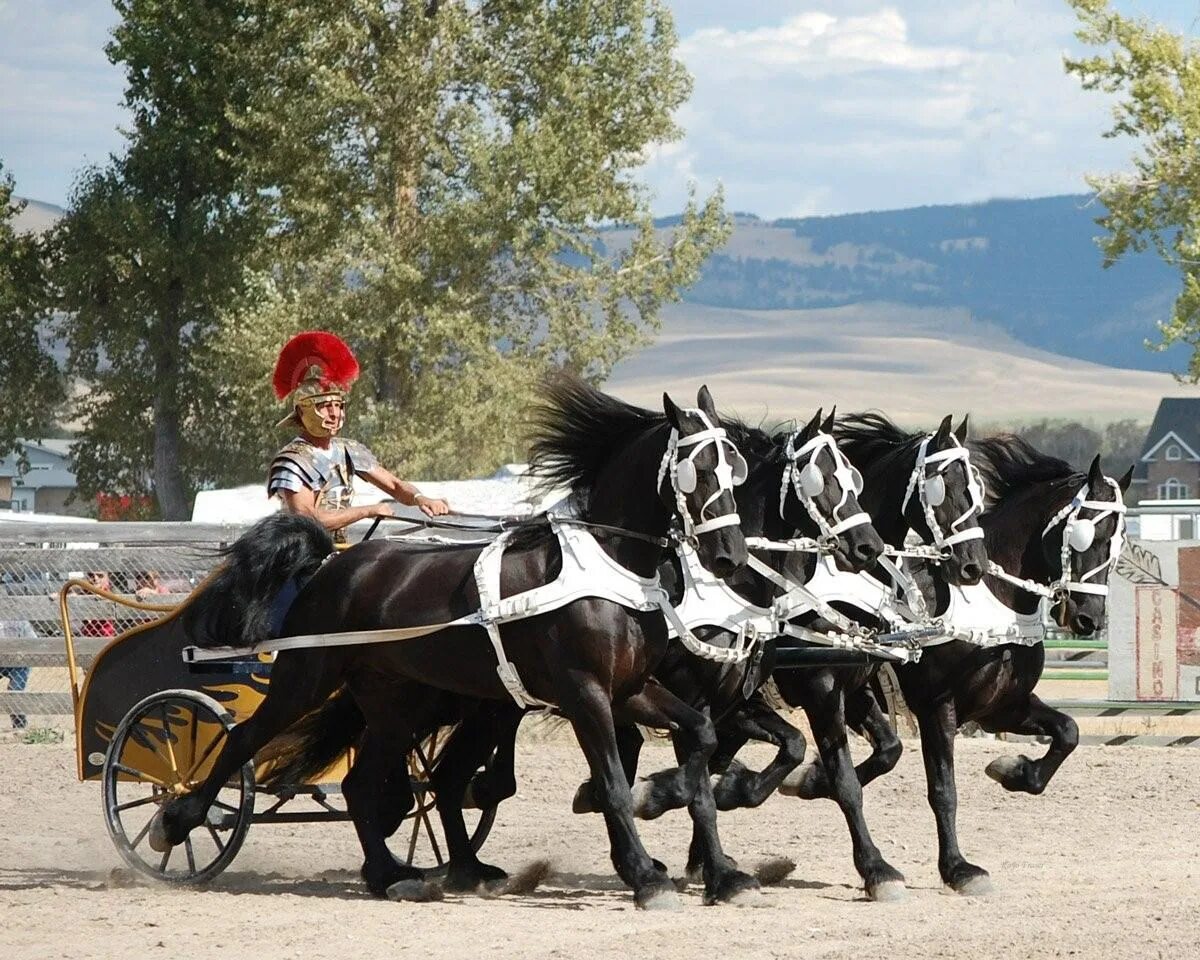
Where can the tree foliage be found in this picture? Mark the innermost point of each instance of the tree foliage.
(1156, 77)
(31, 387)
(441, 174)
(154, 247)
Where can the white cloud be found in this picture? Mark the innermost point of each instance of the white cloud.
(865, 105)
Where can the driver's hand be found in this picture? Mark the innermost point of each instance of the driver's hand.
(382, 510)
(432, 506)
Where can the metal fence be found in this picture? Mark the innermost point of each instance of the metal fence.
(156, 563)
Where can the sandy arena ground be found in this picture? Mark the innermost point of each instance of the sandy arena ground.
(1106, 865)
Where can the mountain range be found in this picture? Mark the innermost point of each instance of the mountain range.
(1001, 307)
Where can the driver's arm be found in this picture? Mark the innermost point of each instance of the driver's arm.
(405, 492)
(304, 503)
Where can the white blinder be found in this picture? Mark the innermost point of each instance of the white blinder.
(935, 490)
(1082, 534)
(812, 481)
(685, 476)
(856, 481)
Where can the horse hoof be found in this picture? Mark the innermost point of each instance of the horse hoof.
(658, 898)
(803, 782)
(888, 891)
(415, 891)
(979, 885)
(157, 837)
(644, 805)
(585, 799)
(1009, 772)
(694, 873)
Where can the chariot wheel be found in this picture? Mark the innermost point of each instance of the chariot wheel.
(161, 750)
(421, 832)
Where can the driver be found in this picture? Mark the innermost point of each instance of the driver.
(314, 473)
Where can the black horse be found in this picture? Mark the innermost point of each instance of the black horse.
(833, 697)
(771, 506)
(591, 659)
(957, 682)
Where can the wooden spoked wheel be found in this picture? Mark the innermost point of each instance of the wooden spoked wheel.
(421, 832)
(162, 749)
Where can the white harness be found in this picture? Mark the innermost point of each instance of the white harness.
(931, 491)
(710, 601)
(976, 615)
(587, 572)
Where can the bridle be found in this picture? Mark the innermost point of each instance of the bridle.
(730, 471)
(931, 492)
(1079, 533)
(808, 482)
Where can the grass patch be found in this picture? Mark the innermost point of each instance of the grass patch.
(42, 735)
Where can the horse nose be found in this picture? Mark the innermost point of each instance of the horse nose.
(972, 572)
(1084, 625)
(723, 566)
(866, 553)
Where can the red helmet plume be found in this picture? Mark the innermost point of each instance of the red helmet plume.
(321, 360)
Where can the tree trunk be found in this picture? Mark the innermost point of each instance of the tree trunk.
(169, 487)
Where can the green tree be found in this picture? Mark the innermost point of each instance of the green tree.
(443, 174)
(154, 247)
(1155, 75)
(31, 387)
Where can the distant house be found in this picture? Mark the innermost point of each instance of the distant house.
(46, 485)
(1169, 465)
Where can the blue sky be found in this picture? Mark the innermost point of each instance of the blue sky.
(799, 107)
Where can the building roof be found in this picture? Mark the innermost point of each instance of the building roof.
(1177, 416)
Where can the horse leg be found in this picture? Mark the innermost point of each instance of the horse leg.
(864, 715)
(938, 725)
(629, 746)
(585, 703)
(470, 745)
(740, 786)
(1021, 774)
(301, 681)
(694, 739)
(825, 708)
(737, 785)
(498, 780)
(378, 795)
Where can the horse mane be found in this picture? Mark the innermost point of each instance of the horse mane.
(871, 438)
(1010, 463)
(576, 430)
(754, 442)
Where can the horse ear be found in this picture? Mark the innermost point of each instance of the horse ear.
(827, 426)
(811, 427)
(943, 432)
(705, 402)
(1126, 480)
(671, 411)
(1095, 474)
(960, 434)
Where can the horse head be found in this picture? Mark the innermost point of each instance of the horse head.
(700, 469)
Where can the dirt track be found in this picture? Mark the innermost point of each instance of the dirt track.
(1106, 865)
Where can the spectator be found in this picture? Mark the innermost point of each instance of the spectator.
(147, 585)
(102, 627)
(17, 676)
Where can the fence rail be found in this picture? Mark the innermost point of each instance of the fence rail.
(159, 563)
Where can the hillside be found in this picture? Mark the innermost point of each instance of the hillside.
(918, 364)
(1029, 267)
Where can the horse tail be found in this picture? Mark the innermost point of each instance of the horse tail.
(313, 744)
(235, 607)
